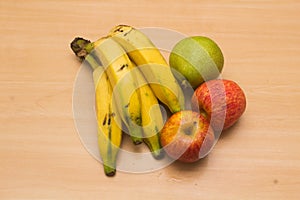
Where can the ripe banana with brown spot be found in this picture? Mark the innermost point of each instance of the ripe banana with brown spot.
(122, 72)
(152, 119)
(109, 132)
(157, 72)
(117, 66)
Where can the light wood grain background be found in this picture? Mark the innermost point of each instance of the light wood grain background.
(41, 156)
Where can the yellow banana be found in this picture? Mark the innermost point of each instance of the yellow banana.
(125, 78)
(109, 133)
(152, 119)
(157, 72)
(117, 65)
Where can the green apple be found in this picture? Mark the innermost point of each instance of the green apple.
(197, 58)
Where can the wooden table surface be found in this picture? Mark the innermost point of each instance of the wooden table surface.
(41, 155)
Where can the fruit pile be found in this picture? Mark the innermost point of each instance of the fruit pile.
(132, 79)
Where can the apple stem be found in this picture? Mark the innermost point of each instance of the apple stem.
(189, 128)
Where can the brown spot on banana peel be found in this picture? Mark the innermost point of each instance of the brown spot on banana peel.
(120, 27)
(127, 32)
(136, 120)
(119, 30)
(122, 67)
(109, 121)
(104, 120)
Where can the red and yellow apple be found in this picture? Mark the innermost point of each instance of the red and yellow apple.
(223, 101)
(187, 136)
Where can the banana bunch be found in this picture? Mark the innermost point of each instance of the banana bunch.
(135, 77)
(152, 120)
(117, 66)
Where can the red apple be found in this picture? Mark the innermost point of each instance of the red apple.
(187, 136)
(223, 101)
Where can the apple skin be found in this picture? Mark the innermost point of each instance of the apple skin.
(187, 136)
(229, 102)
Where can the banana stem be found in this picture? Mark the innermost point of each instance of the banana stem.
(78, 46)
(92, 62)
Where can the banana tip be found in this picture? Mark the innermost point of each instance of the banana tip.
(109, 171)
(110, 174)
(158, 154)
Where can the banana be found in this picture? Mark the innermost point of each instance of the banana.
(142, 51)
(109, 133)
(118, 69)
(126, 78)
(122, 72)
(117, 65)
(152, 119)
